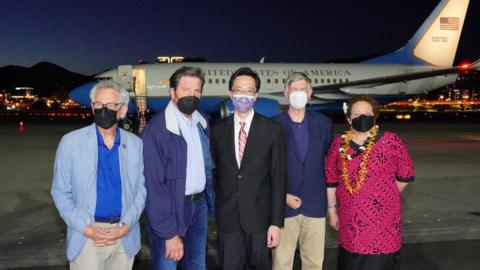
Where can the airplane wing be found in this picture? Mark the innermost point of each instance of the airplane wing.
(476, 65)
(392, 79)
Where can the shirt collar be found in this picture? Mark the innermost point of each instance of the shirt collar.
(184, 120)
(247, 121)
(304, 120)
(100, 138)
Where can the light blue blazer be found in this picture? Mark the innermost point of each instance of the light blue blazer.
(74, 187)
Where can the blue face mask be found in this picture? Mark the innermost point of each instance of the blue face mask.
(243, 103)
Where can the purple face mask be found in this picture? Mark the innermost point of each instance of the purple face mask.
(243, 103)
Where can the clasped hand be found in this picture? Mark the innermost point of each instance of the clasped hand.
(105, 236)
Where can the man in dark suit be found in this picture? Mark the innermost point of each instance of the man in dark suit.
(250, 179)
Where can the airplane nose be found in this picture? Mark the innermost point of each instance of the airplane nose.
(81, 94)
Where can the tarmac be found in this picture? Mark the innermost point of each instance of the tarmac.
(441, 209)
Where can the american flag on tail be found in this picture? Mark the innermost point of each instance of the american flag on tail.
(449, 23)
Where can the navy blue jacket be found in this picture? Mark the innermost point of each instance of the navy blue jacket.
(306, 177)
(165, 158)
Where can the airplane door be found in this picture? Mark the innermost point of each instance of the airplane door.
(125, 76)
(139, 82)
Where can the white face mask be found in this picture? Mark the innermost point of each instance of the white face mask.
(298, 99)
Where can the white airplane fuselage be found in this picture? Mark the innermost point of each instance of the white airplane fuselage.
(273, 76)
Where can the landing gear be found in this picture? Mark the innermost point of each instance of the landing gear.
(141, 102)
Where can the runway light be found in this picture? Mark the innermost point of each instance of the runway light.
(21, 127)
(465, 67)
(407, 116)
(399, 116)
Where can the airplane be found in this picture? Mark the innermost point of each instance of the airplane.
(424, 64)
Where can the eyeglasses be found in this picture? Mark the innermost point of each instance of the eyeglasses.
(249, 92)
(111, 106)
(298, 89)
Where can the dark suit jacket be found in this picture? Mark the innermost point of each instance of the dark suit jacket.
(252, 197)
(306, 176)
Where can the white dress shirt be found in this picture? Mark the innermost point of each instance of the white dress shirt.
(248, 123)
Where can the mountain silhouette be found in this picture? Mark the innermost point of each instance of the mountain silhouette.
(46, 78)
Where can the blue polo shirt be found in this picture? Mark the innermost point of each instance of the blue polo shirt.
(109, 182)
(307, 145)
(300, 132)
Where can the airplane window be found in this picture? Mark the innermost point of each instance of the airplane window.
(346, 80)
(209, 80)
(316, 80)
(334, 80)
(340, 80)
(269, 81)
(217, 81)
(328, 80)
(284, 81)
(276, 80)
(322, 81)
(224, 81)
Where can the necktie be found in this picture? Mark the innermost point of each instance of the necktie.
(242, 140)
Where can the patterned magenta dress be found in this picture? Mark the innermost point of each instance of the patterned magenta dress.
(370, 221)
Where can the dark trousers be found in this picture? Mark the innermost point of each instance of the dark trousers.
(241, 251)
(353, 261)
(194, 243)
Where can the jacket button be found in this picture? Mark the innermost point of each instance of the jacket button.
(239, 176)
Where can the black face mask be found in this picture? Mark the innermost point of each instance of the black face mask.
(363, 123)
(104, 117)
(188, 104)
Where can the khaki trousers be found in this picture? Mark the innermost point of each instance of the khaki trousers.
(102, 258)
(310, 233)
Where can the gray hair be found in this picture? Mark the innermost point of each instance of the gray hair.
(110, 84)
(297, 76)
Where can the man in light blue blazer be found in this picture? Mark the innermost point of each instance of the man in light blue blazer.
(98, 185)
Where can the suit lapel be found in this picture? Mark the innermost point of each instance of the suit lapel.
(91, 147)
(230, 141)
(252, 138)
(123, 161)
(313, 135)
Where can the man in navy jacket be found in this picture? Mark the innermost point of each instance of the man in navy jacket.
(308, 136)
(178, 176)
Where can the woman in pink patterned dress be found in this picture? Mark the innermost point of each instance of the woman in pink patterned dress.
(366, 170)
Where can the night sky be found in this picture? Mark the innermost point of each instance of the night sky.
(91, 36)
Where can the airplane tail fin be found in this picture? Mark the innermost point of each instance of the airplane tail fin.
(436, 41)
